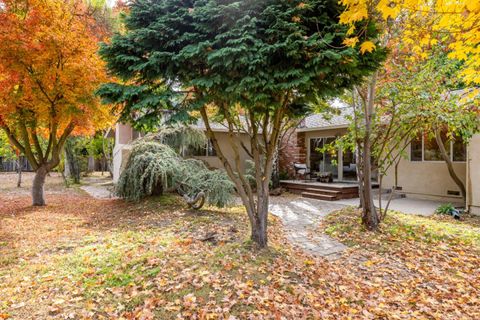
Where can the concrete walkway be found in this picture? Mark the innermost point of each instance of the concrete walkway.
(405, 205)
(300, 216)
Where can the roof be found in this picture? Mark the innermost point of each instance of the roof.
(319, 121)
(214, 125)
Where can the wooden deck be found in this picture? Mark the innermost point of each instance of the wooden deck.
(322, 191)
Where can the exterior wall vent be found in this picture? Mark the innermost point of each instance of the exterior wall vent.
(453, 193)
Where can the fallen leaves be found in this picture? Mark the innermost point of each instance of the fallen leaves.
(92, 259)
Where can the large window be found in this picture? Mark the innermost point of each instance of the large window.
(425, 148)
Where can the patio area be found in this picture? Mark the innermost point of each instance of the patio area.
(346, 193)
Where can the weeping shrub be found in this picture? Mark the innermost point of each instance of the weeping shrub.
(193, 177)
(149, 170)
(181, 137)
(154, 167)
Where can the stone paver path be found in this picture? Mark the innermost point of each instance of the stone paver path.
(300, 216)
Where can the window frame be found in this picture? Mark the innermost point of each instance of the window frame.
(450, 147)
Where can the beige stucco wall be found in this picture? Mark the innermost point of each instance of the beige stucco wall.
(425, 179)
(226, 147)
(473, 170)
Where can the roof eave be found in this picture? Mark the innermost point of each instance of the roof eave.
(339, 126)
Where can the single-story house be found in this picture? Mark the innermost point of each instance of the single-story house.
(422, 174)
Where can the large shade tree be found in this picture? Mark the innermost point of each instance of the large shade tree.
(49, 71)
(248, 64)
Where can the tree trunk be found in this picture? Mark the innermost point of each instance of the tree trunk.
(370, 218)
(276, 171)
(72, 161)
(38, 194)
(450, 168)
(259, 224)
(20, 167)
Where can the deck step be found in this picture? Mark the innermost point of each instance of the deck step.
(322, 191)
(323, 187)
(318, 196)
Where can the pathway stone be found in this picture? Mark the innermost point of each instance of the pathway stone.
(300, 216)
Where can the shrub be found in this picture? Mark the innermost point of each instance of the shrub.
(154, 167)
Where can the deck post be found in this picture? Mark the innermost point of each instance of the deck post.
(340, 164)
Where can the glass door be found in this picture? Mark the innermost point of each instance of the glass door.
(316, 157)
(323, 161)
(330, 159)
(349, 166)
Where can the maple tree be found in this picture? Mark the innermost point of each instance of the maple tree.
(451, 23)
(49, 71)
(440, 106)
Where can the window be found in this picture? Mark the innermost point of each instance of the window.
(416, 149)
(205, 151)
(424, 148)
(431, 150)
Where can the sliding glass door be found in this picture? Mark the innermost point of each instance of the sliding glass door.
(323, 161)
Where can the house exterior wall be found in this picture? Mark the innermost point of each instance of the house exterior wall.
(473, 171)
(295, 147)
(420, 179)
(226, 147)
(292, 150)
(124, 135)
(338, 132)
(425, 179)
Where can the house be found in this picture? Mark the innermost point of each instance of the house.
(124, 134)
(422, 174)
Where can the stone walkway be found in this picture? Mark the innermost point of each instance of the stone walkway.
(300, 216)
(99, 187)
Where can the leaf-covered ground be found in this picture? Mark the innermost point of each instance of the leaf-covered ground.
(81, 258)
(419, 267)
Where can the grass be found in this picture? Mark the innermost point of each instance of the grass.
(93, 257)
(398, 227)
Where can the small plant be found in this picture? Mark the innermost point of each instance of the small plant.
(446, 208)
(449, 209)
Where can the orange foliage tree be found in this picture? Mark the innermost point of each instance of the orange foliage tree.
(49, 71)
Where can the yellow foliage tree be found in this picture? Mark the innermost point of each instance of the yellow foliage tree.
(454, 24)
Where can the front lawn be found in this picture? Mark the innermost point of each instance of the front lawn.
(81, 258)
